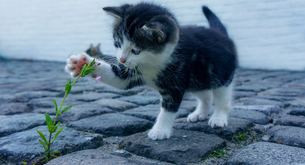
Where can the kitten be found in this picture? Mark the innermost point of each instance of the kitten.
(171, 59)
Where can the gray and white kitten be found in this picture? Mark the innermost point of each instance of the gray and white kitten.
(171, 59)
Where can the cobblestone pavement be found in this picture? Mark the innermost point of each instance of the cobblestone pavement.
(109, 126)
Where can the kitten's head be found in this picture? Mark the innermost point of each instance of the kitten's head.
(144, 34)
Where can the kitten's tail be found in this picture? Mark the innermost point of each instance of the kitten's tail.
(214, 21)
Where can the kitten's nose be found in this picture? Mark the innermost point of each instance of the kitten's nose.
(122, 60)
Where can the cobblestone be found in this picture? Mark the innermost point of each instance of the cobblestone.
(291, 121)
(95, 157)
(150, 112)
(89, 97)
(114, 104)
(292, 136)
(112, 124)
(297, 112)
(26, 96)
(140, 100)
(6, 98)
(268, 154)
(13, 108)
(256, 117)
(83, 111)
(47, 102)
(268, 108)
(235, 126)
(259, 101)
(16, 123)
(182, 148)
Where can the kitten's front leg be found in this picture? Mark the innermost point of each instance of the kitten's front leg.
(163, 127)
(164, 124)
(112, 74)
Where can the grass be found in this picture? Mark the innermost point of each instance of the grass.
(218, 153)
(241, 137)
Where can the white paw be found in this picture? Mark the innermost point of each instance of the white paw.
(76, 62)
(194, 117)
(156, 134)
(218, 121)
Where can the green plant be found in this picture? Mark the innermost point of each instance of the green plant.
(241, 137)
(53, 125)
(136, 69)
(218, 153)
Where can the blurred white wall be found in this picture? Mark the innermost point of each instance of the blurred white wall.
(269, 34)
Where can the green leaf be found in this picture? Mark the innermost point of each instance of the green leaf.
(56, 108)
(91, 63)
(57, 133)
(58, 124)
(56, 152)
(53, 129)
(126, 69)
(43, 137)
(45, 146)
(83, 70)
(136, 69)
(67, 108)
(88, 71)
(43, 159)
(49, 158)
(68, 88)
(69, 81)
(49, 121)
(24, 163)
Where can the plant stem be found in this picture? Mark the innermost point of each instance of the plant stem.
(49, 144)
(57, 114)
(62, 102)
(76, 80)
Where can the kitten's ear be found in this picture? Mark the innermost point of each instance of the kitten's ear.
(98, 46)
(114, 11)
(92, 49)
(117, 12)
(155, 30)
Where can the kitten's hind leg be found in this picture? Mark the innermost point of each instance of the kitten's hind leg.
(203, 107)
(222, 100)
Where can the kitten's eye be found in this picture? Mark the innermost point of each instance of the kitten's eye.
(135, 52)
(118, 45)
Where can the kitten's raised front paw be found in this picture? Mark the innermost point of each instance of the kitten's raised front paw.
(194, 117)
(156, 134)
(76, 62)
(218, 121)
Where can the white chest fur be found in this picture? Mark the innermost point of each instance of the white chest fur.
(150, 77)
